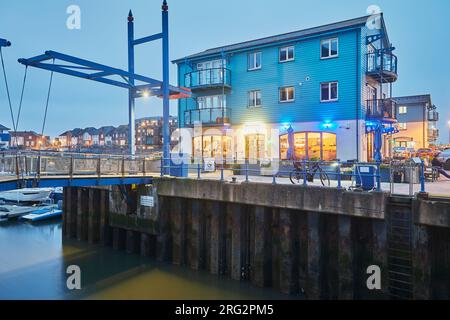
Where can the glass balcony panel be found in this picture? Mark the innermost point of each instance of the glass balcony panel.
(381, 62)
(208, 78)
(380, 109)
(210, 116)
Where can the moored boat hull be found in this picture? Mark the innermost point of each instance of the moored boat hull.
(41, 216)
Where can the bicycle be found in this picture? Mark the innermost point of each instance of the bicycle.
(297, 175)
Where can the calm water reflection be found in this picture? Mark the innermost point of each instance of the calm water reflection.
(33, 260)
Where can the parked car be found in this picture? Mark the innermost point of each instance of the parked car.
(444, 158)
(401, 153)
(426, 153)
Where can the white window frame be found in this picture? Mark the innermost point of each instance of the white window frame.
(402, 126)
(287, 54)
(287, 95)
(330, 40)
(329, 91)
(254, 67)
(221, 99)
(252, 97)
(402, 110)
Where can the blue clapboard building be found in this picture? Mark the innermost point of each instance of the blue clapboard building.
(329, 86)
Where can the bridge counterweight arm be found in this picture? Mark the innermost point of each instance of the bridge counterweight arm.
(4, 43)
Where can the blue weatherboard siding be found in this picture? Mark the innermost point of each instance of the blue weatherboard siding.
(273, 75)
(305, 74)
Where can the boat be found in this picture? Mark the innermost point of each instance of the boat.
(42, 214)
(10, 212)
(26, 195)
(57, 195)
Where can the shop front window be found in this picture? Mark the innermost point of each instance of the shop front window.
(314, 146)
(300, 146)
(255, 147)
(310, 146)
(284, 146)
(329, 146)
(216, 147)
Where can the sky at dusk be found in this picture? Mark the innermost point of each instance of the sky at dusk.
(418, 29)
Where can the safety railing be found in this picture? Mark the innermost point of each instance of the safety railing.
(381, 109)
(381, 61)
(219, 116)
(396, 177)
(212, 77)
(49, 164)
(357, 176)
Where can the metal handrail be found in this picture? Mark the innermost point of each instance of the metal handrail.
(381, 108)
(42, 166)
(207, 115)
(208, 77)
(381, 61)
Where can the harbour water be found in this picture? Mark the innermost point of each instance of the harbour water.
(34, 259)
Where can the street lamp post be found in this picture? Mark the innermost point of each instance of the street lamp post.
(449, 131)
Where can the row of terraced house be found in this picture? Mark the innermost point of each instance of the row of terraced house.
(148, 136)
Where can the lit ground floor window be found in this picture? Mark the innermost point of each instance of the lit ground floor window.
(255, 146)
(405, 142)
(310, 146)
(213, 146)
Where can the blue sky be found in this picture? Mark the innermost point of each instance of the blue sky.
(419, 30)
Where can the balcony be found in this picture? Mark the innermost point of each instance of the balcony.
(433, 116)
(381, 109)
(208, 79)
(210, 117)
(433, 134)
(382, 67)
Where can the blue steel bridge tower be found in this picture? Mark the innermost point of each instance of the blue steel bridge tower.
(138, 86)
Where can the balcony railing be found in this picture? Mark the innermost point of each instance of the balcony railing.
(208, 78)
(433, 116)
(381, 109)
(433, 133)
(382, 66)
(211, 116)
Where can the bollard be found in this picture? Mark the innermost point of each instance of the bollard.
(199, 169)
(422, 177)
(246, 170)
(221, 173)
(378, 176)
(305, 180)
(339, 178)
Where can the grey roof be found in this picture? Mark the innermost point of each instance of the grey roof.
(20, 133)
(122, 129)
(417, 99)
(77, 131)
(280, 38)
(3, 128)
(66, 133)
(107, 130)
(91, 131)
(74, 132)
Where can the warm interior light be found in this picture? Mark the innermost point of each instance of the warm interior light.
(254, 128)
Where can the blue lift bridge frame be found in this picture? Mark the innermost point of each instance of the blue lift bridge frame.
(138, 85)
